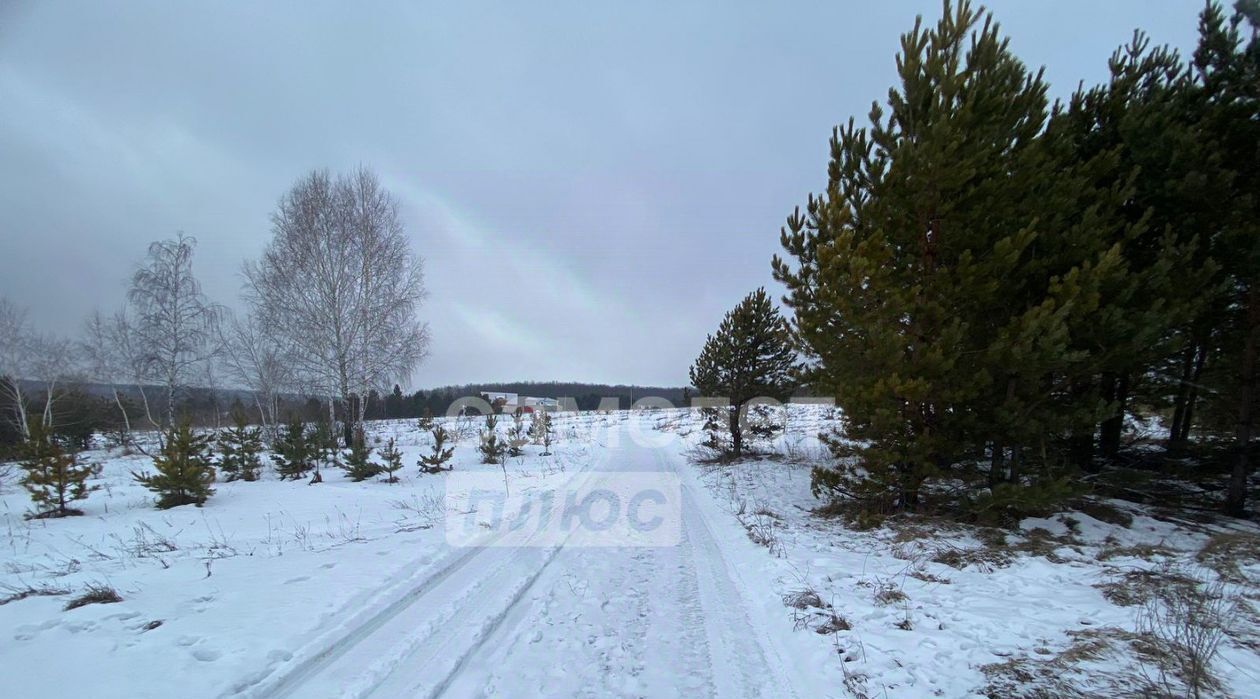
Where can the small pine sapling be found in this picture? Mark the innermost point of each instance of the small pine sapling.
(491, 447)
(393, 461)
(327, 451)
(239, 447)
(294, 452)
(425, 423)
(536, 421)
(548, 434)
(714, 429)
(184, 469)
(517, 434)
(436, 462)
(359, 465)
(53, 477)
(764, 424)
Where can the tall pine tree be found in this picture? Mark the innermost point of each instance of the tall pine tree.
(750, 356)
(938, 282)
(1227, 64)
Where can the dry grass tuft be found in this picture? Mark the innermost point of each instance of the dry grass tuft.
(804, 599)
(95, 594)
(14, 594)
(1228, 553)
(1136, 587)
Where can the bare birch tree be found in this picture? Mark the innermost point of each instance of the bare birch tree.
(257, 361)
(26, 355)
(53, 364)
(173, 325)
(340, 283)
(15, 352)
(105, 361)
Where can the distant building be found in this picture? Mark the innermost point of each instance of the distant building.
(509, 402)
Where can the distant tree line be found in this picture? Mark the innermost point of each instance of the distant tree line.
(587, 396)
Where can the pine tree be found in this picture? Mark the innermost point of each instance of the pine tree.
(518, 434)
(1145, 122)
(239, 449)
(359, 464)
(425, 422)
(749, 357)
(492, 448)
(392, 461)
(1227, 63)
(942, 283)
(53, 476)
(294, 453)
(325, 448)
(537, 420)
(436, 461)
(184, 469)
(715, 433)
(542, 430)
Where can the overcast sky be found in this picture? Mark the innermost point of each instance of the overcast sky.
(591, 185)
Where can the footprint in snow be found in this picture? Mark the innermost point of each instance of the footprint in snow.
(301, 578)
(26, 633)
(206, 655)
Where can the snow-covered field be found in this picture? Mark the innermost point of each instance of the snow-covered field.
(351, 589)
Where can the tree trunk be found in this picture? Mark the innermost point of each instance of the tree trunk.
(1081, 437)
(997, 465)
(737, 439)
(1115, 390)
(1182, 398)
(170, 404)
(1017, 455)
(1193, 393)
(1236, 497)
(126, 420)
(910, 491)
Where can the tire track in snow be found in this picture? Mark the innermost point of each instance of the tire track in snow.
(744, 661)
(390, 646)
(686, 619)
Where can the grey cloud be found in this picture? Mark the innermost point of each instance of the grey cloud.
(591, 184)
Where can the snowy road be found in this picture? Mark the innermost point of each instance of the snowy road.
(567, 620)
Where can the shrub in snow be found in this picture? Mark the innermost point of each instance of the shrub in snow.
(239, 447)
(536, 420)
(436, 461)
(294, 453)
(1189, 622)
(393, 461)
(359, 465)
(716, 437)
(491, 447)
(541, 432)
(326, 450)
(184, 469)
(426, 420)
(517, 434)
(53, 475)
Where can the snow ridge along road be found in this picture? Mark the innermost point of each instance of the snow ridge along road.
(567, 620)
